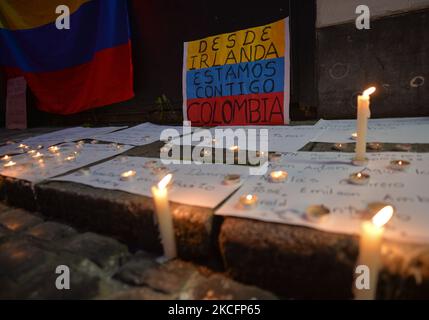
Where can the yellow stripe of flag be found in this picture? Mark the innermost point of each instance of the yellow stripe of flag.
(28, 14)
(264, 42)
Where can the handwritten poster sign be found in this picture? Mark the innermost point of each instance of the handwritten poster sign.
(238, 78)
(16, 103)
(199, 185)
(321, 178)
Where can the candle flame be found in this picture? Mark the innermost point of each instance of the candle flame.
(359, 175)
(249, 197)
(369, 91)
(383, 216)
(400, 162)
(165, 181)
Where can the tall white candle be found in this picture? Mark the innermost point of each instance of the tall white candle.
(370, 251)
(165, 219)
(363, 113)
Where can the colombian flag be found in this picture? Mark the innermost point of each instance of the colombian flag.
(68, 70)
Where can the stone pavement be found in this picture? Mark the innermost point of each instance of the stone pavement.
(31, 248)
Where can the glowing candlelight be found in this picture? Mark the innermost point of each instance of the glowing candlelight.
(54, 149)
(370, 250)
(354, 136)
(231, 179)
(164, 216)
(70, 158)
(317, 213)
(234, 148)
(127, 175)
(359, 178)
(23, 146)
(362, 125)
(6, 158)
(338, 147)
(31, 152)
(9, 164)
(278, 176)
(249, 201)
(375, 146)
(399, 165)
(37, 155)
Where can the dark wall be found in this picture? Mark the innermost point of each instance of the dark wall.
(393, 55)
(159, 28)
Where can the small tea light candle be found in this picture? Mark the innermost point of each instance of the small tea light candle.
(354, 136)
(338, 147)
(23, 146)
(274, 157)
(70, 158)
(150, 164)
(399, 165)
(278, 176)
(234, 148)
(317, 213)
(39, 147)
(165, 217)
(54, 149)
(127, 175)
(31, 152)
(370, 250)
(231, 179)
(359, 178)
(9, 164)
(375, 146)
(249, 201)
(6, 158)
(37, 155)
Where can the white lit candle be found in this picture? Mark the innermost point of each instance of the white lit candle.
(37, 155)
(6, 158)
(370, 250)
(165, 219)
(363, 114)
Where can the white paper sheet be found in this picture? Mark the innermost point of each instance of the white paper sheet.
(139, 135)
(280, 138)
(70, 157)
(199, 185)
(321, 178)
(67, 135)
(394, 130)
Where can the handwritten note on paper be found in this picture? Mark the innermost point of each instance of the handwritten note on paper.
(140, 135)
(322, 178)
(67, 135)
(199, 185)
(44, 164)
(395, 130)
(16, 103)
(280, 138)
